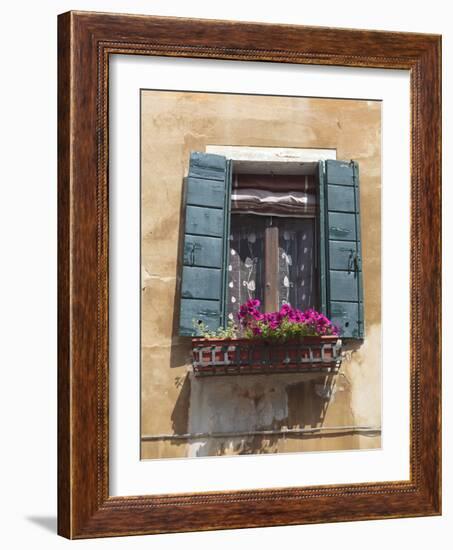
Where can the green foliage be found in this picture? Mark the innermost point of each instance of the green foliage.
(286, 330)
(231, 331)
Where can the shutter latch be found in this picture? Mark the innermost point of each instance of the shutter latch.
(353, 263)
(193, 248)
(192, 254)
(356, 262)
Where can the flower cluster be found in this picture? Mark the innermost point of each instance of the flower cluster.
(288, 323)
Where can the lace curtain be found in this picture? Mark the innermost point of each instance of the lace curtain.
(296, 261)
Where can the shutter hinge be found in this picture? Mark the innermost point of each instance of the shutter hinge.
(354, 176)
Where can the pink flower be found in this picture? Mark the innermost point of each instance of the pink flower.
(257, 315)
(285, 309)
(258, 324)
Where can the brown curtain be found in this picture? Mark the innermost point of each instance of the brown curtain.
(274, 195)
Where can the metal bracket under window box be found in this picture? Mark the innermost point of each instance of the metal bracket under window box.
(213, 357)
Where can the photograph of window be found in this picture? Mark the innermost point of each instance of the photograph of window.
(268, 251)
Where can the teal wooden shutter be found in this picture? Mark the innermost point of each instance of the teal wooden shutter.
(207, 219)
(340, 247)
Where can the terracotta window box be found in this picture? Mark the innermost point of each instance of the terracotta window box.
(212, 356)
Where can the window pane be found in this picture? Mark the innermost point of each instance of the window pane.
(246, 265)
(297, 256)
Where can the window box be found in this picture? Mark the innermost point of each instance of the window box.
(211, 356)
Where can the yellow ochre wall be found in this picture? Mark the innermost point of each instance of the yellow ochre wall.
(173, 402)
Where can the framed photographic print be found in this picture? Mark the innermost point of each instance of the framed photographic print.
(249, 265)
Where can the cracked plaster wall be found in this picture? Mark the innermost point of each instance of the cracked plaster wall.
(173, 125)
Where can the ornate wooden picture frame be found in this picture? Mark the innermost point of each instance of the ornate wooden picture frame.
(85, 42)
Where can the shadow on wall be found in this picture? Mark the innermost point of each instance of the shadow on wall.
(244, 404)
(180, 352)
(180, 414)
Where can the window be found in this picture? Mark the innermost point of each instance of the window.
(282, 232)
(272, 235)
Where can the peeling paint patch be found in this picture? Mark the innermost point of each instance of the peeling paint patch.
(227, 404)
(147, 277)
(253, 403)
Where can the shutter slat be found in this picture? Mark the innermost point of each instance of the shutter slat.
(339, 172)
(342, 197)
(206, 311)
(345, 315)
(341, 271)
(205, 192)
(205, 165)
(204, 221)
(207, 207)
(202, 251)
(201, 282)
(341, 226)
(343, 286)
(341, 254)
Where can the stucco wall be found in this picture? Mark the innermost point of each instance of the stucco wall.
(173, 402)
